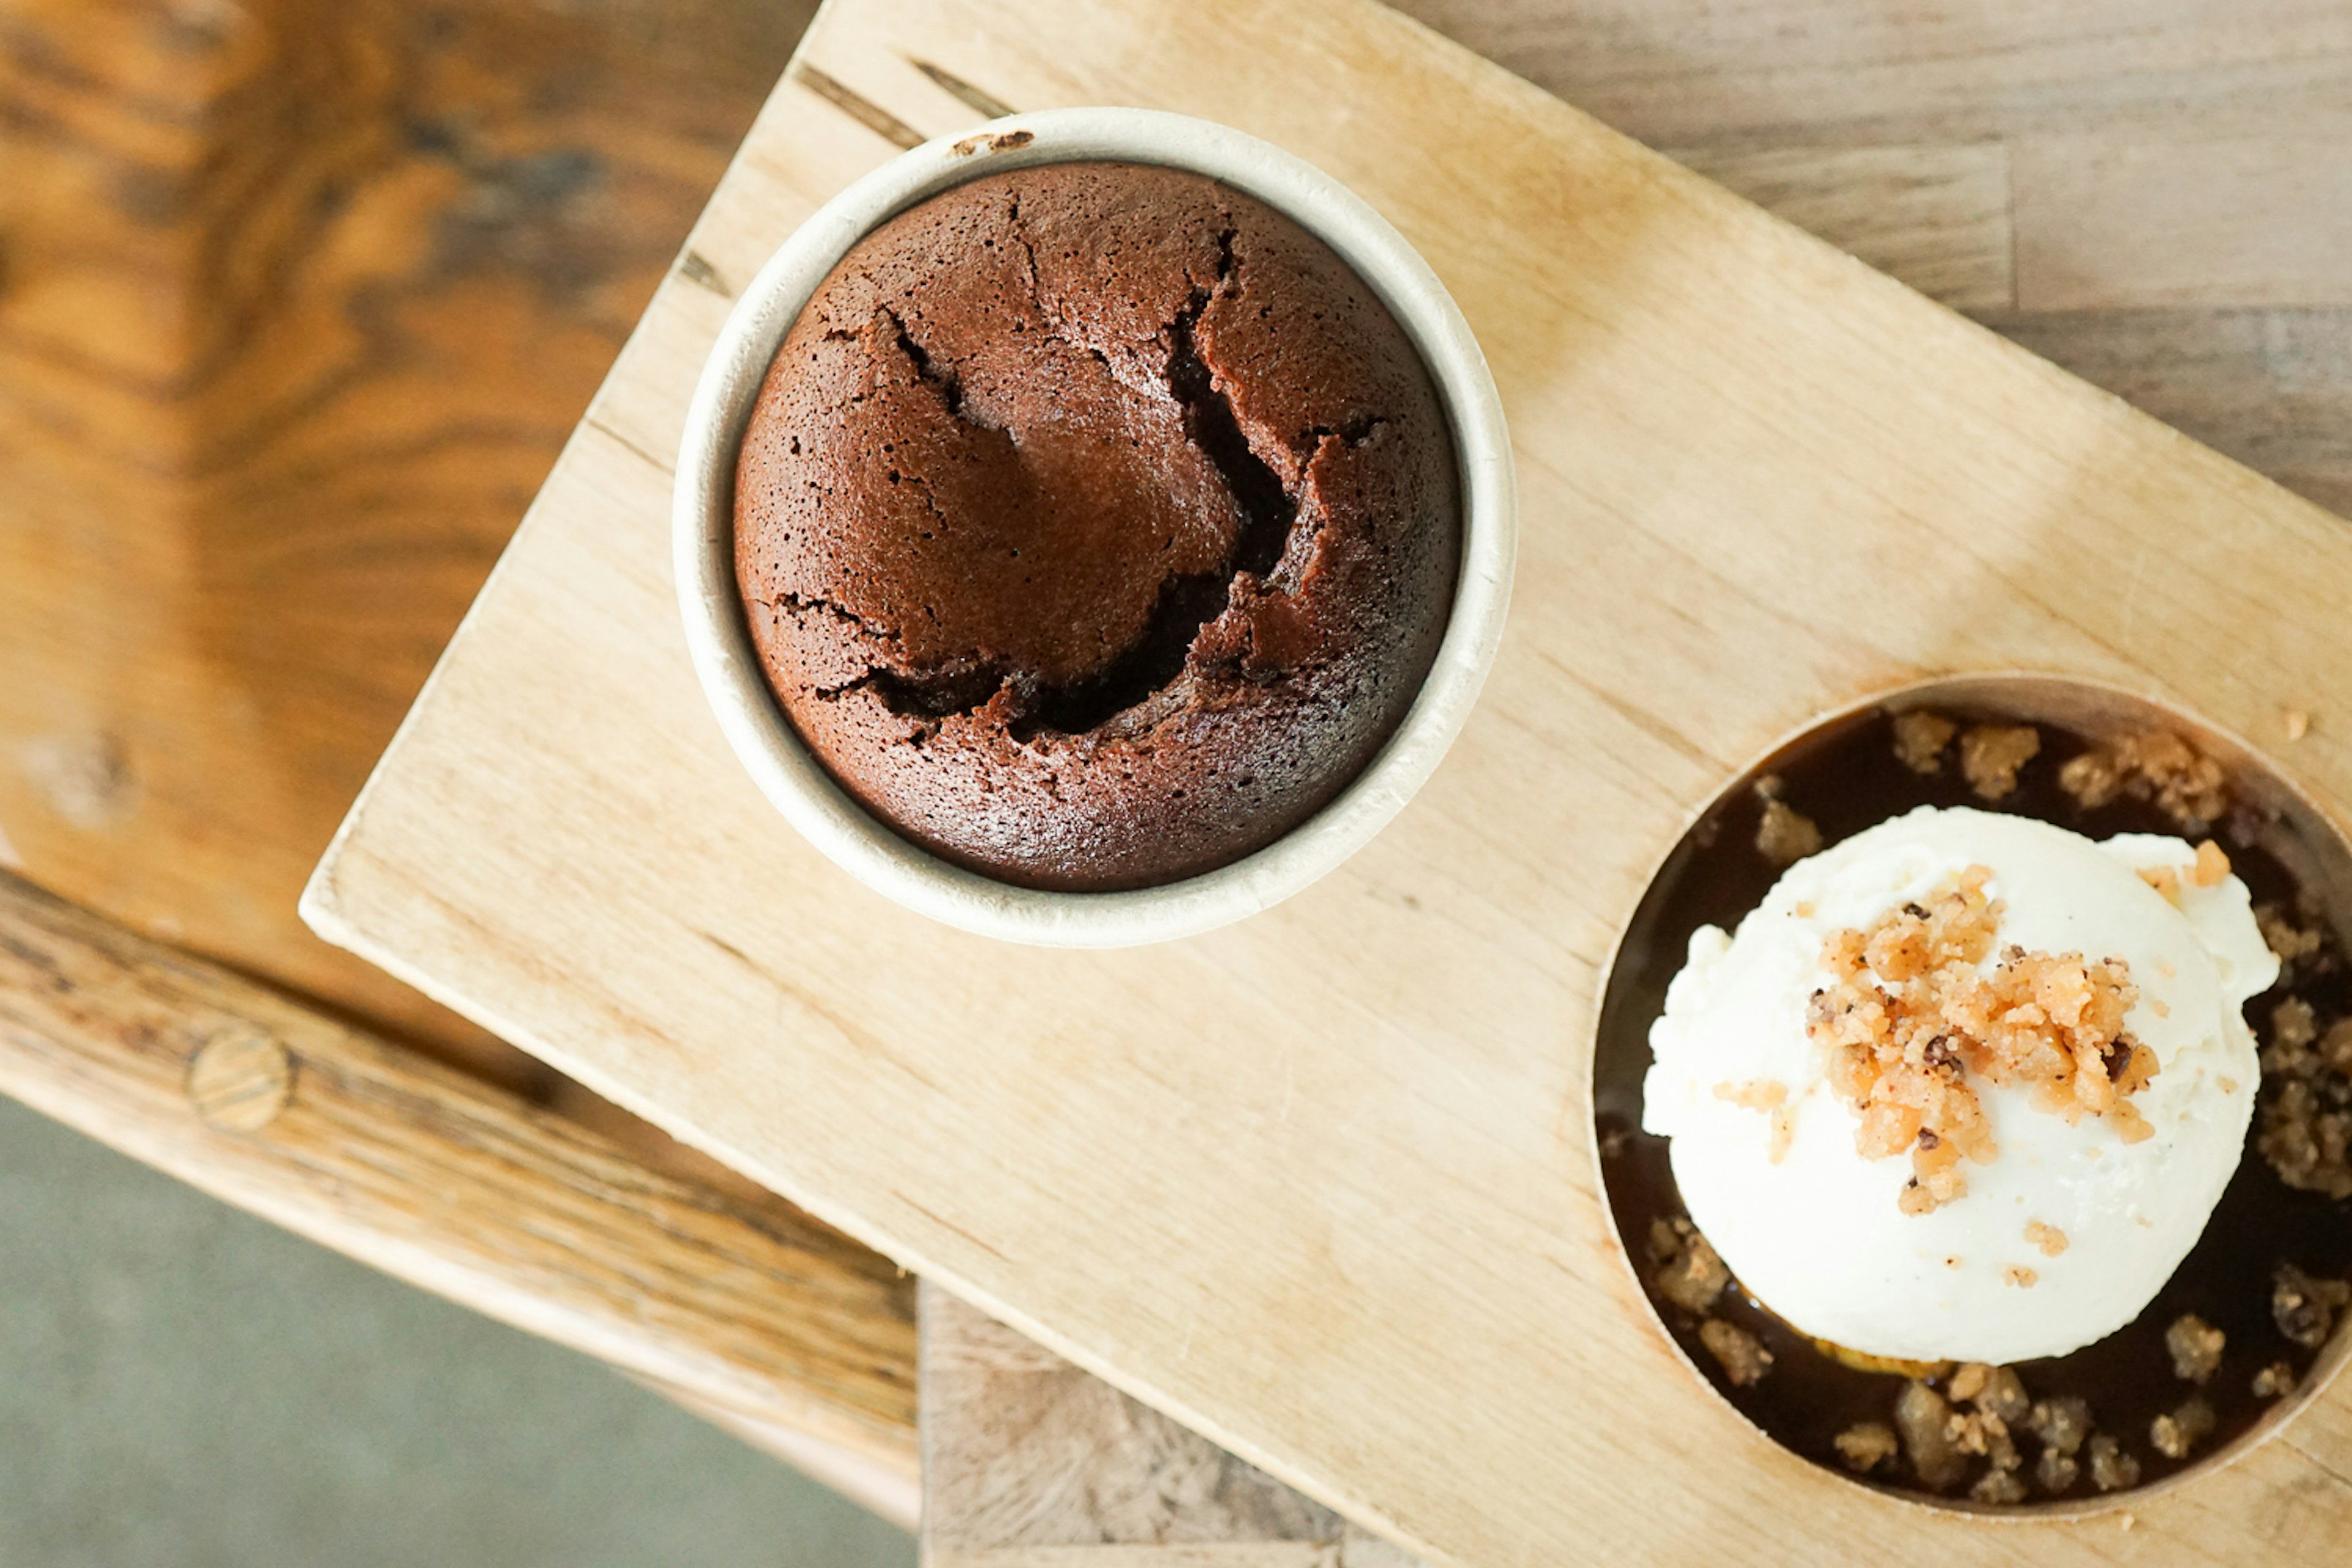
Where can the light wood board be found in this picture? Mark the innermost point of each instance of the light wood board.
(1320, 1185)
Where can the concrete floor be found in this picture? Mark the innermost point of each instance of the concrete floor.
(184, 1386)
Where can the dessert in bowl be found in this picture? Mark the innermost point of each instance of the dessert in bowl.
(1973, 1088)
(1093, 530)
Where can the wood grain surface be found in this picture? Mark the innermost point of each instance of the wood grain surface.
(298, 302)
(1320, 1185)
(747, 1309)
(1030, 1463)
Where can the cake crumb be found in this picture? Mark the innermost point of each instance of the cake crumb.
(2212, 865)
(1923, 1419)
(1867, 1445)
(1969, 1380)
(1805, 910)
(2289, 939)
(1785, 837)
(1990, 755)
(2048, 1238)
(2304, 1309)
(2175, 1434)
(1690, 1274)
(1784, 1133)
(2186, 785)
(2060, 1424)
(2297, 722)
(2160, 1007)
(2275, 1380)
(2112, 1469)
(1920, 738)
(2195, 1346)
(2018, 1274)
(2228, 1084)
(1743, 1356)
(2124, 1521)
(2165, 880)
(1953, 1261)
(2306, 1125)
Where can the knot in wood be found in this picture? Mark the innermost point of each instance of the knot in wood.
(239, 1080)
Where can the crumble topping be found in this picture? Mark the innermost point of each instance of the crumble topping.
(2275, 1380)
(2018, 1274)
(2178, 1431)
(1908, 1020)
(2158, 765)
(2112, 1469)
(2297, 723)
(2048, 1238)
(2195, 1346)
(1924, 1419)
(1866, 1445)
(1755, 1094)
(1744, 1358)
(1785, 835)
(2306, 1113)
(1990, 755)
(1920, 739)
(1689, 1272)
(2304, 1309)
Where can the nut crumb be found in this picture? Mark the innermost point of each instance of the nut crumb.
(1785, 837)
(1865, 1446)
(1969, 1380)
(2297, 722)
(1743, 1356)
(2175, 1434)
(1910, 1017)
(1923, 1420)
(1920, 738)
(1690, 1274)
(2306, 1125)
(2112, 1469)
(2212, 865)
(2019, 1275)
(1990, 755)
(2275, 1380)
(2165, 880)
(2195, 1346)
(2304, 1309)
(2061, 1424)
(2048, 1238)
(2186, 784)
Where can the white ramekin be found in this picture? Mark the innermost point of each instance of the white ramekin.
(720, 639)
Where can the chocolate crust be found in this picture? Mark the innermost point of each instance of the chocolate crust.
(1096, 524)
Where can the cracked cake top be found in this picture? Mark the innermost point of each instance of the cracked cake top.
(1096, 524)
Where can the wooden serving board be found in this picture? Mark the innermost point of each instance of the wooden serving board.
(1320, 1185)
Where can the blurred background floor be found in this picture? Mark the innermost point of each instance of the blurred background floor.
(184, 1386)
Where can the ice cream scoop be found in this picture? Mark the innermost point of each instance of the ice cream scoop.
(2075, 1223)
